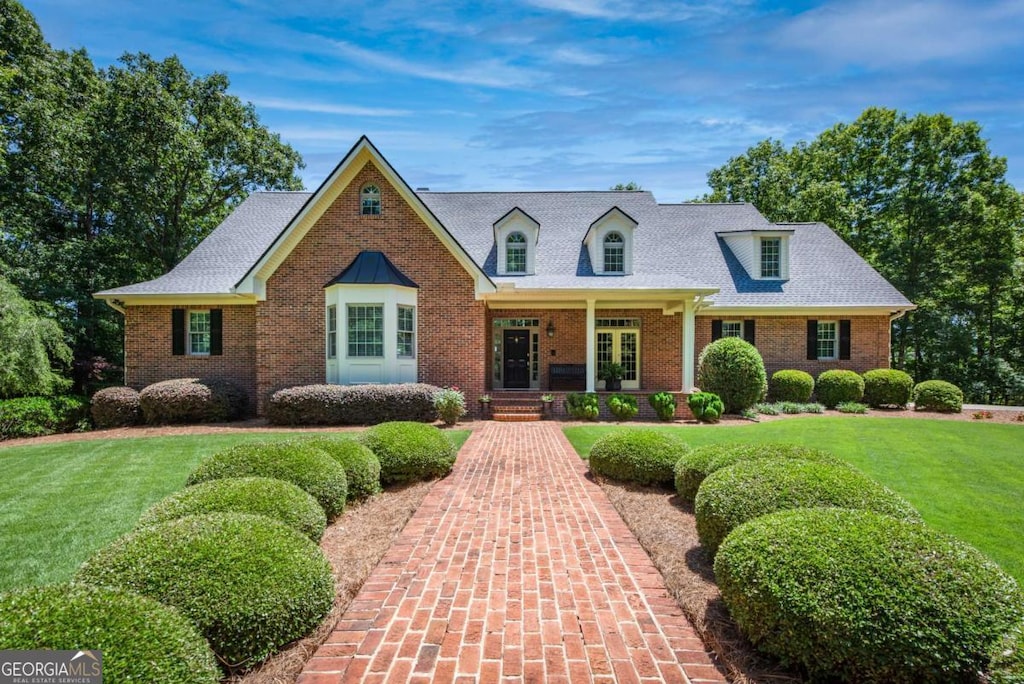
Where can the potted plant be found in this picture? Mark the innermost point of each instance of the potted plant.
(611, 373)
(547, 401)
(485, 405)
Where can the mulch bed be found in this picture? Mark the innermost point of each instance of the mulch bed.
(354, 544)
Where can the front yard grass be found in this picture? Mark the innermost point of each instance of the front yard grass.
(965, 478)
(60, 502)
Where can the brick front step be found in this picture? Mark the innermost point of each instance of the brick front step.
(516, 417)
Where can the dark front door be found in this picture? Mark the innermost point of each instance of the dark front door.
(517, 358)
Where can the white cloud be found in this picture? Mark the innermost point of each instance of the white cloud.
(880, 33)
(290, 105)
(578, 56)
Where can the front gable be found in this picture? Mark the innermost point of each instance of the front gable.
(349, 171)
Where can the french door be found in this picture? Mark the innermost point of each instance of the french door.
(622, 347)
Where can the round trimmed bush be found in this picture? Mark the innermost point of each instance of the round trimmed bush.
(276, 499)
(116, 407)
(707, 407)
(791, 385)
(362, 468)
(295, 461)
(636, 455)
(750, 489)
(193, 400)
(691, 470)
(1007, 665)
(856, 596)
(249, 583)
(732, 369)
(938, 395)
(142, 640)
(836, 387)
(623, 406)
(409, 452)
(887, 387)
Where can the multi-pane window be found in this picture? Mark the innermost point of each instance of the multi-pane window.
(199, 333)
(332, 332)
(406, 331)
(614, 253)
(771, 258)
(365, 330)
(732, 328)
(370, 200)
(515, 253)
(827, 340)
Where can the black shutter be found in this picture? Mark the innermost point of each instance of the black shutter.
(216, 332)
(716, 330)
(178, 332)
(844, 339)
(748, 330)
(812, 340)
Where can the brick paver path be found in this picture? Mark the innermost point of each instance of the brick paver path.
(516, 567)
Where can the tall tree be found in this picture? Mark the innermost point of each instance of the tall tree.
(921, 198)
(31, 344)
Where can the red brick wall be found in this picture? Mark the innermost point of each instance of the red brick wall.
(782, 341)
(290, 323)
(661, 345)
(148, 358)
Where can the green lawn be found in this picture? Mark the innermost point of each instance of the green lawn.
(965, 478)
(61, 502)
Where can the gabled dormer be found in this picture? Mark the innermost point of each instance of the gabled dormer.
(515, 236)
(764, 254)
(609, 240)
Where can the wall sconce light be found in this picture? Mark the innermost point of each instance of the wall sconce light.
(551, 329)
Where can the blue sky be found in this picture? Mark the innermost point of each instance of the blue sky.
(574, 94)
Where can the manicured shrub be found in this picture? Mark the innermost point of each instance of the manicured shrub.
(856, 596)
(353, 404)
(732, 369)
(583, 406)
(887, 387)
(691, 470)
(362, 467)
(450, 404)
(116, 407)
(767, 409)
(623, 406)
(409, 452)
(193, 400)
(791, 385)
(276, 499)
(637, 455)
(141, 639)
(664, 405)
(938, 395)
(37, 416)
(812, 407)
(249, 583)
(852, 407)
(707, 407)
(837, 386)
(790, 408)
(294, 461)
(1007, 666)
(749, 489)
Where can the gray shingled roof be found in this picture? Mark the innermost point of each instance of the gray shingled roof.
(675, 246)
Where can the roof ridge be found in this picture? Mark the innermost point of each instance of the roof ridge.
(532, 192)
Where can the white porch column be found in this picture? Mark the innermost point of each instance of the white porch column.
(689, 344)
(591, 346)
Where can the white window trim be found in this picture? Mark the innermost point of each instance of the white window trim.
(361, 370)
(383, 330)
(188, 331)
(332, 350)
(739, 323)
(399, 331)
(524, 246)
(835, 341)
(621, 245)
(516, 221)
(760, 256)
(614, 222)
(364, 195)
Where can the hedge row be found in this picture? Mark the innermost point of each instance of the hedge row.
(37, 416)
(352, 404)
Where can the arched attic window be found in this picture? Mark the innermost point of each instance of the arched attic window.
(515, 253)
(370, 200)
(614, 253)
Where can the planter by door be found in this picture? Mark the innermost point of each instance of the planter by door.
(613, 385)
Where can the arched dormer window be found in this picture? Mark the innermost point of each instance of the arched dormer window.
(614, 253)
(370, 200)
(515, 253)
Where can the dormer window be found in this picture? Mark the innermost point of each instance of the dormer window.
(614, 253)
(370, 197)
(515, 253)
(771, 257)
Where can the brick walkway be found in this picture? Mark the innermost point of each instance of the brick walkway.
(515, 568)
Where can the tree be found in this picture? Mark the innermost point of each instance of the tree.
(924, 201)
(30, 344)
(631, 186)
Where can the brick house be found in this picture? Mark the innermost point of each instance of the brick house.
(367, 281)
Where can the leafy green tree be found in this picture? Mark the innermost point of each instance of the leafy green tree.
(924, 200)
(631, 186)
(30, 344)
